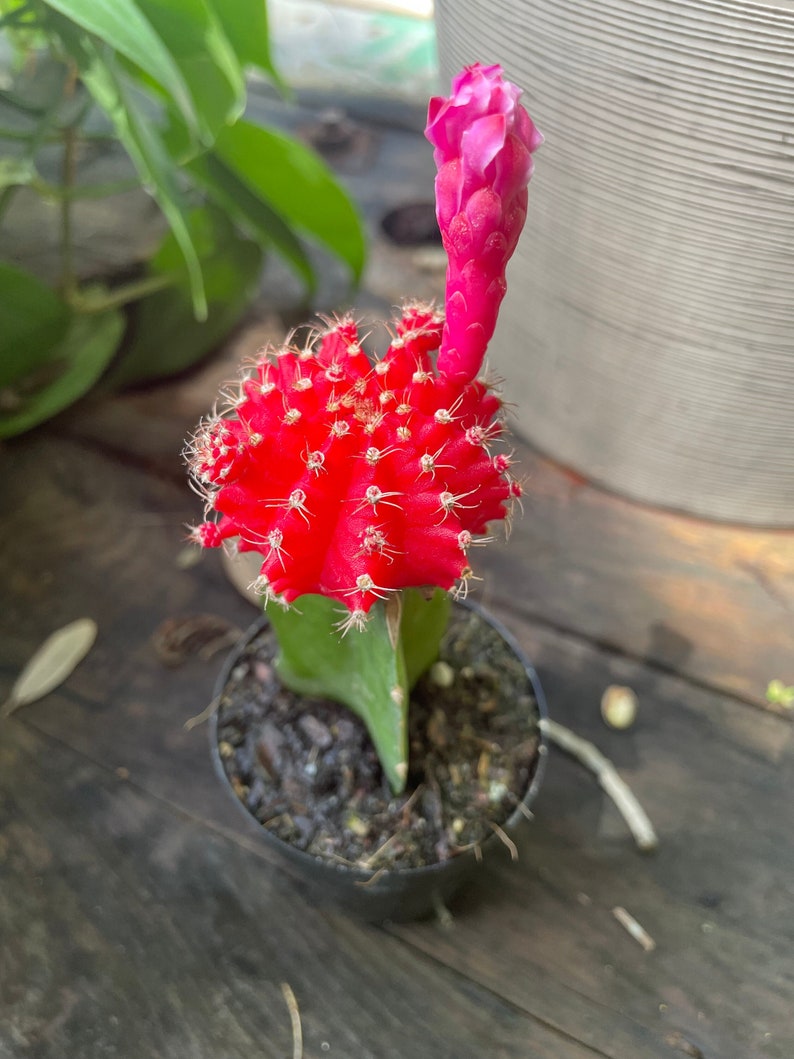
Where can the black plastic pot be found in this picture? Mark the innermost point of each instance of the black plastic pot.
(413, 893)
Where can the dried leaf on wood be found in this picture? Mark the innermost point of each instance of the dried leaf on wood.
(177, 639)
(51, 664)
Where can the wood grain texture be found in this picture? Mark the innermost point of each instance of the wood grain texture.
(714, 778)
(713, 602)
(129, 929)
(87, 534)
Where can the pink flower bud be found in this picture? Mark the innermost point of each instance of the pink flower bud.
(483, 141)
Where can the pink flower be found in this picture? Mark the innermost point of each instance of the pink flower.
(483, 141)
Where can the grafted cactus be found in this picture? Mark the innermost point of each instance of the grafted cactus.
(364, 484)
(353, 480)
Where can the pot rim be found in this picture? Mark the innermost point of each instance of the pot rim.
(355, 873)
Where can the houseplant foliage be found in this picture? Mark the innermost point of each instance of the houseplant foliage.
(364, 485)
(165, 78)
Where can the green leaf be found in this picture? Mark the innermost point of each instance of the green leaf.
(120, 24)
(245, 23)
(166, 337)
(252, 213)
(32, 322)
(21, 26)
(196, 40)
(85, 352)
(16, 171)
(367, 670)
(779, 694)
(145, 146)
(11, 9)
(297, 185)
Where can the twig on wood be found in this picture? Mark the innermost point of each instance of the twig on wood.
(219, 643)
(525, 811)
(372, 879)
(205, 715)
(368, 862)
(677, 1040)
(342, 860)
(406, 809)
(503, 837)
(178, 639)
(637, 931)
(295, 1019)
(617, 789)
(444, 917)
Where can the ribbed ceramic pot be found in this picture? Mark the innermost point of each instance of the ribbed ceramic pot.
(396, 895)
(647, 337)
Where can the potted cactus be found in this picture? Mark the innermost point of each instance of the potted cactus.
(374, 730)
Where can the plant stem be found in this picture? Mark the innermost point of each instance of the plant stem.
(56, 137)
(68, 173)
(68, 279)
(101, 302)
(5, 199)
(14, 134)
(57, 192)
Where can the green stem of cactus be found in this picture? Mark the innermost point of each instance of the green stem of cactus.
(370, 671)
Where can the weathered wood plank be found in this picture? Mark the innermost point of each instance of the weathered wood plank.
(712, 602)
(129, 929)
(716, 780)
(86, 535)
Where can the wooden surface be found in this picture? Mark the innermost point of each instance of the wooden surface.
(139, 919)
(134, 909)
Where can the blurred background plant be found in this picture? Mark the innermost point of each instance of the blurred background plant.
(165, 79)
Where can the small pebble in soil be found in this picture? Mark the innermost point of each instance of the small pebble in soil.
(442, 674)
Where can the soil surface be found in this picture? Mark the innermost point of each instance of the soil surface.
(307, 770)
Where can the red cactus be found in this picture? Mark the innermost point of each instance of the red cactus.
(352, 479)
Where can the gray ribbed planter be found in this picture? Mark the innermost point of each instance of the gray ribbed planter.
(648, 333)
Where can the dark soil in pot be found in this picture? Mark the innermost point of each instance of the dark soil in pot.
(306, 769)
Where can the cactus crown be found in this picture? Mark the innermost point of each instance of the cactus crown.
(354, 479)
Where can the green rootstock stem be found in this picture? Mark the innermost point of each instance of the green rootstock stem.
(372, 671)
